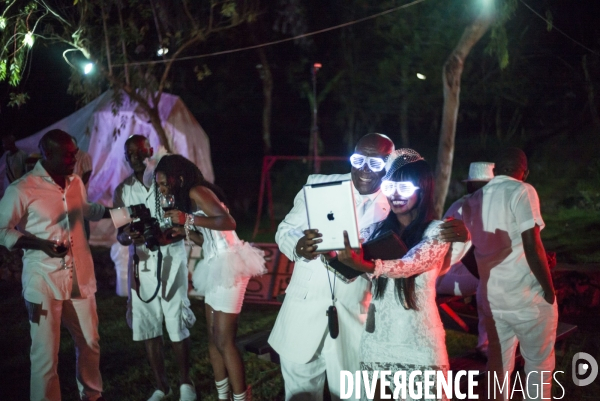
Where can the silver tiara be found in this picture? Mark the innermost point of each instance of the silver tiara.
(399, 158)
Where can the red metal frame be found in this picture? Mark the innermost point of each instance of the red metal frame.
(265, 183)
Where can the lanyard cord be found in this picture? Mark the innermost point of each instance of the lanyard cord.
(136, 275)
(332, 289)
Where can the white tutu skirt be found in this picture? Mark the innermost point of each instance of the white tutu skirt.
(228, 268)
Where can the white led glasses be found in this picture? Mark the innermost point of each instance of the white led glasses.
(405, 189)
(376, 164)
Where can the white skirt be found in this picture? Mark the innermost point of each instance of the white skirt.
(228, 268)
(228, 300)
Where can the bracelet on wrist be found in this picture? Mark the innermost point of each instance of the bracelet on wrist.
(189, 225)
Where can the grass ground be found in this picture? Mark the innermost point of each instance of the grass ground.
(573, 234)
(123, 362)
(127, 376)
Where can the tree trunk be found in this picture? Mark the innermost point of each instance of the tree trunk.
(451, 74)
(152, 110)
(160, 131)
(267, 79)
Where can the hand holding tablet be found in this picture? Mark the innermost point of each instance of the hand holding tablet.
(307, 246)
(331, 211)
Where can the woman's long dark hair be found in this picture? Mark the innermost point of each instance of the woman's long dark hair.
(176, 166)
(419, 173)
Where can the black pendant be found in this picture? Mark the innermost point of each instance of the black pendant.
(334, 328)
(370, 326)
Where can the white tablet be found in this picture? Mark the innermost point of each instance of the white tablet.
(330, 209)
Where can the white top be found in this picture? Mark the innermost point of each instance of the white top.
(496, 215)
(133, 192)
(40, 208)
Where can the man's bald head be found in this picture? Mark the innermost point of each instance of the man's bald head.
(365, 180)
(511, 162)
(382, 143)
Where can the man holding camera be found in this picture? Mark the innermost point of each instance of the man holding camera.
(48, 206)
(171, 303)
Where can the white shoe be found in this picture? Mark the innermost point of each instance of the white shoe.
(187, 392)
(158, 395)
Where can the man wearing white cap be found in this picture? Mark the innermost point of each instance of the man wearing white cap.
(459, 280)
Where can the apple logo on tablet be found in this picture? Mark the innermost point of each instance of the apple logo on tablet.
(330, 216)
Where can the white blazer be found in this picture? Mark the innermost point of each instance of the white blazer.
(302, 322)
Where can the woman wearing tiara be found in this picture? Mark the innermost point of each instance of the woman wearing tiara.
(224, 270)
(404, 332)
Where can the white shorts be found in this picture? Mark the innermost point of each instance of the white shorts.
(228, 300)
(171, 305)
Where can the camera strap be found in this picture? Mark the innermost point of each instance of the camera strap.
(136, 275)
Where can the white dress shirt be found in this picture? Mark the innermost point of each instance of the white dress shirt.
(38, 207)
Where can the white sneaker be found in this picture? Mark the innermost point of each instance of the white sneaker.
(187, 392)
(158, 395)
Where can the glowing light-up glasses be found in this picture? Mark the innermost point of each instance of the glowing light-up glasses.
(376, 164)
(406, 188)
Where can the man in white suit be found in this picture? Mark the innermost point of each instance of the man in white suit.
(308, 353)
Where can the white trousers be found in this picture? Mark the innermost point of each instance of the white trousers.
(534, 330)
(80, 318)
(306, 381)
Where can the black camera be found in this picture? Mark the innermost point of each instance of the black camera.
(147, 225)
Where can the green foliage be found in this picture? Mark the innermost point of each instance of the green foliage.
(202, 72)
(498, 44)
(3, 64)
(15, 74)
(229, 10)
(115, 35)
(17, 99)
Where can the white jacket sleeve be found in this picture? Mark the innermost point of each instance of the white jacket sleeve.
(291, 229)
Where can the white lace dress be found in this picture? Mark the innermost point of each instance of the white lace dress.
(401, 339)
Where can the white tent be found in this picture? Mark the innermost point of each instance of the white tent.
(101, 129)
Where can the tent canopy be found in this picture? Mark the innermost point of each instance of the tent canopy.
(101, 129)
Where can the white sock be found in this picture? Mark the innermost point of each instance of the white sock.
(245, 396)
(223, 388)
